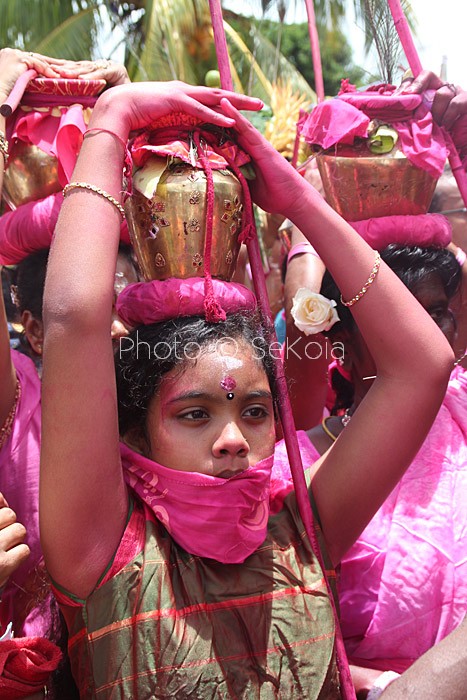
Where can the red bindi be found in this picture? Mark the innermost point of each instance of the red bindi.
(228, 383)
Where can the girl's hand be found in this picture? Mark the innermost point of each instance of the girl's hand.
(14, 63)
(113, 73)
(278, 185)
(449, 108)
(449, 101)
(134, 106)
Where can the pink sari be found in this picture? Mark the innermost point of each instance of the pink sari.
(26, 598)
(403, 585)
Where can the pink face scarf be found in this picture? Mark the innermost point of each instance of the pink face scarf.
(221, 519)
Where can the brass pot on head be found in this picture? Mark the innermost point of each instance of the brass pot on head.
(166, 217)
(31, 175)
(361, 185)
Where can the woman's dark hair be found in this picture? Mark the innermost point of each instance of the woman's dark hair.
(29, 282)
(411, 264)
(7, 281)
(29, 279)
(128, 252)
(149, 352)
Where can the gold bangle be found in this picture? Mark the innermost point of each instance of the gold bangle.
(96, 190)
(3, 146)
(369, 281)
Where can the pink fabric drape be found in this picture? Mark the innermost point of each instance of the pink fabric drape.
(347, 116)
(422, 230)
(411, 556)
(59, 136)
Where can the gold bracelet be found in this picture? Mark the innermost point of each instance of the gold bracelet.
(369, 281)
(96, 190)
(3, 147)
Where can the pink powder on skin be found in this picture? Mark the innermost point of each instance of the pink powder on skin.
(228, 383)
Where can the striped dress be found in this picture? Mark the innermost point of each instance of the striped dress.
(166, 624)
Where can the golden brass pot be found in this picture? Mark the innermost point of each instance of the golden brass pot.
(166, 217)
(360, 185)
(31, 175)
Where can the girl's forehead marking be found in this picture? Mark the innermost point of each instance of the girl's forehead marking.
(230, 362)
(228, 383)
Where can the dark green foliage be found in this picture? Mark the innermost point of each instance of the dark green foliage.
(336, 53)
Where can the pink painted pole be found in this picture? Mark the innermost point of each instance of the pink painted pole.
(284, 406)
(315, 52)
(295, 459)
(403, 29)
(14, 98)
(296, 149)
(221, 44)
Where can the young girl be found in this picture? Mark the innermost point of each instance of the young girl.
(179, 584)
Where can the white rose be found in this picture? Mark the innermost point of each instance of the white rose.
(313, 313)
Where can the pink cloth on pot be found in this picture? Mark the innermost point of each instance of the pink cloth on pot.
(343, 118)
(174, 142)
(151, 302)
(423, 230)
(59, 136)
(31, 226)
(28, 228)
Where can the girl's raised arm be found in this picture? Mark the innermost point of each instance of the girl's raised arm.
(13, 64)
(412, 356)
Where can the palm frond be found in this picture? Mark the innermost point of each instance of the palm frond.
(361, 13)
(75, 38)
(265, 55)
(245, 64)
(25, 23)
(171, 33)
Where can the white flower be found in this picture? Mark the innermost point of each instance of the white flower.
(313, 313)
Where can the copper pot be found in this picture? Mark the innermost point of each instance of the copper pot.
(166, 217)
(360, 185)
(31, 175)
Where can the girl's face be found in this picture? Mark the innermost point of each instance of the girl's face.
(216, 415)
(431, 294)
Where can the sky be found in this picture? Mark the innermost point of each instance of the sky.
(441, 31)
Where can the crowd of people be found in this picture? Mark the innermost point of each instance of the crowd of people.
(153, 541)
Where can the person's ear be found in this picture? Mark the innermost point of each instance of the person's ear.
(34, 331)
(136, 440)
(341, 349)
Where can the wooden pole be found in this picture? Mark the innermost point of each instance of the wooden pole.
(284, 405)
(315, 52)
(220, 43)
(405, 36)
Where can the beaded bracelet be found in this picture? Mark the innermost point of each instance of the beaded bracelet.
(369, 281)
(3, 146)
(299, 248)
(96, 190)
